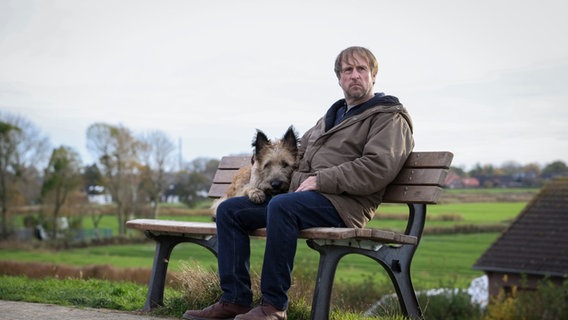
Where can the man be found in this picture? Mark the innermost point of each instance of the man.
(346, 161)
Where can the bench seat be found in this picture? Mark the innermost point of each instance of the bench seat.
(185, 228)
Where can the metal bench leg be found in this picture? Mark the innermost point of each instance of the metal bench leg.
(399, 272)
(395, 261)
(329, 258)
(164, 247)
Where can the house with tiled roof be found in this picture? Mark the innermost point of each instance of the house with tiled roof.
(534, 246)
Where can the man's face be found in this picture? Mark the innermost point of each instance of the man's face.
(356, 80)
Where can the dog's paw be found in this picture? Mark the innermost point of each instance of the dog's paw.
(256, 195)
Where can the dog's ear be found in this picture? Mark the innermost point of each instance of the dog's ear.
(260, 142)
(291, 139)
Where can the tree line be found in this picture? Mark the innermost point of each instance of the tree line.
(510, 174)
(137, 170)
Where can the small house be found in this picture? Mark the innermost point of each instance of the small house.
(534, 246)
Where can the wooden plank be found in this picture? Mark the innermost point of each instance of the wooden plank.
(224, 176)
(317, 233)
(426, 176)
(234, 162)
(406, 176)
(171, 226)
(209, 228)
(426, 159)
(217, 190)
(394, 193)
(430, 159)
(387, 236)
(412, 194)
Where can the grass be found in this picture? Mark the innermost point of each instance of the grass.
(82, 293)
(127, 297)
(464, 213)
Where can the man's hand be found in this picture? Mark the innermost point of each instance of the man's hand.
(310, 184)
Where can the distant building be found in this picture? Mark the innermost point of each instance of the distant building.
(453, 181)
(97, 194)
(100, 198)
(534, 246)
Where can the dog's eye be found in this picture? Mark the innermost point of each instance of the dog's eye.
(267, 165)
(284, 165)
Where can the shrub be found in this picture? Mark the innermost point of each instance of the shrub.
(200, 287)
(450, 304)
(549, 301)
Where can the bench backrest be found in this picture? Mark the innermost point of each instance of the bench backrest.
(420, 180)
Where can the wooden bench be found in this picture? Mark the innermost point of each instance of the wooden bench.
(418, 184)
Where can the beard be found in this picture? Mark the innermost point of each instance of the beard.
(356, 92)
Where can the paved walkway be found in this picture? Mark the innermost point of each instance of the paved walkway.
(12, 310)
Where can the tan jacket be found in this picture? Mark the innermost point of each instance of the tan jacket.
(355, 160)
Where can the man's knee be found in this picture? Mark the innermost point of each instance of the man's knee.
(224, 208)
(287, 204)
(280, 201)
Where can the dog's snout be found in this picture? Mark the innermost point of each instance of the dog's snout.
(276, 184)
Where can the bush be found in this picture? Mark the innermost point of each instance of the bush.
(200, 287)
(450, 304)
(549, 301)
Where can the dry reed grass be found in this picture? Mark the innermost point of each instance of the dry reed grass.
(201, 286)
(37, 270)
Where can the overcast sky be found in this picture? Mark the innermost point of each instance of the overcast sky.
(484, 79)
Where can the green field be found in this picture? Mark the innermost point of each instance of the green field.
(440, 259)
(465, 213)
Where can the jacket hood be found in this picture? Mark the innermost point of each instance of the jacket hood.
(380, 99)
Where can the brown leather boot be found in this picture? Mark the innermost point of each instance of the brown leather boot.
(218, 311)
(263, 311)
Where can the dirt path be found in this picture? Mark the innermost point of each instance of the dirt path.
(13, 310)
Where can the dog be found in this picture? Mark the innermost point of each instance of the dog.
(270, 171)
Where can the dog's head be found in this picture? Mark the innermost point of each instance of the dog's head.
(275, 161)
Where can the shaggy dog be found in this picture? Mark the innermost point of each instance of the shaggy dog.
(269, 174)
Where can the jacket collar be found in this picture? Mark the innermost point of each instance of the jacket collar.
(378, 99)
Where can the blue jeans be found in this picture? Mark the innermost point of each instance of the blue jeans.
(283, 216)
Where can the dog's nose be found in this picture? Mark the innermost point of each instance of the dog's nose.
(276, 184)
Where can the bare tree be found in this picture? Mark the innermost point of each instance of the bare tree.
(22, 146)
(62, 176)
(195, 179)
(157, 157)
(116, 150)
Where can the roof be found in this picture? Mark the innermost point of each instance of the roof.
(537, 241)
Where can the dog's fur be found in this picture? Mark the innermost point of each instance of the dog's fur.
(270, 171)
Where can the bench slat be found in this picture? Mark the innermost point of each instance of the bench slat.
(217, 190)
(428, 176)
(412, 194)
(224, 176)
(422, 159)
(394, 194)
(234, 162)
(209, 228)
(429, 159)
(172, 226)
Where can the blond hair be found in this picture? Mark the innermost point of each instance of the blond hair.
(350, 52)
